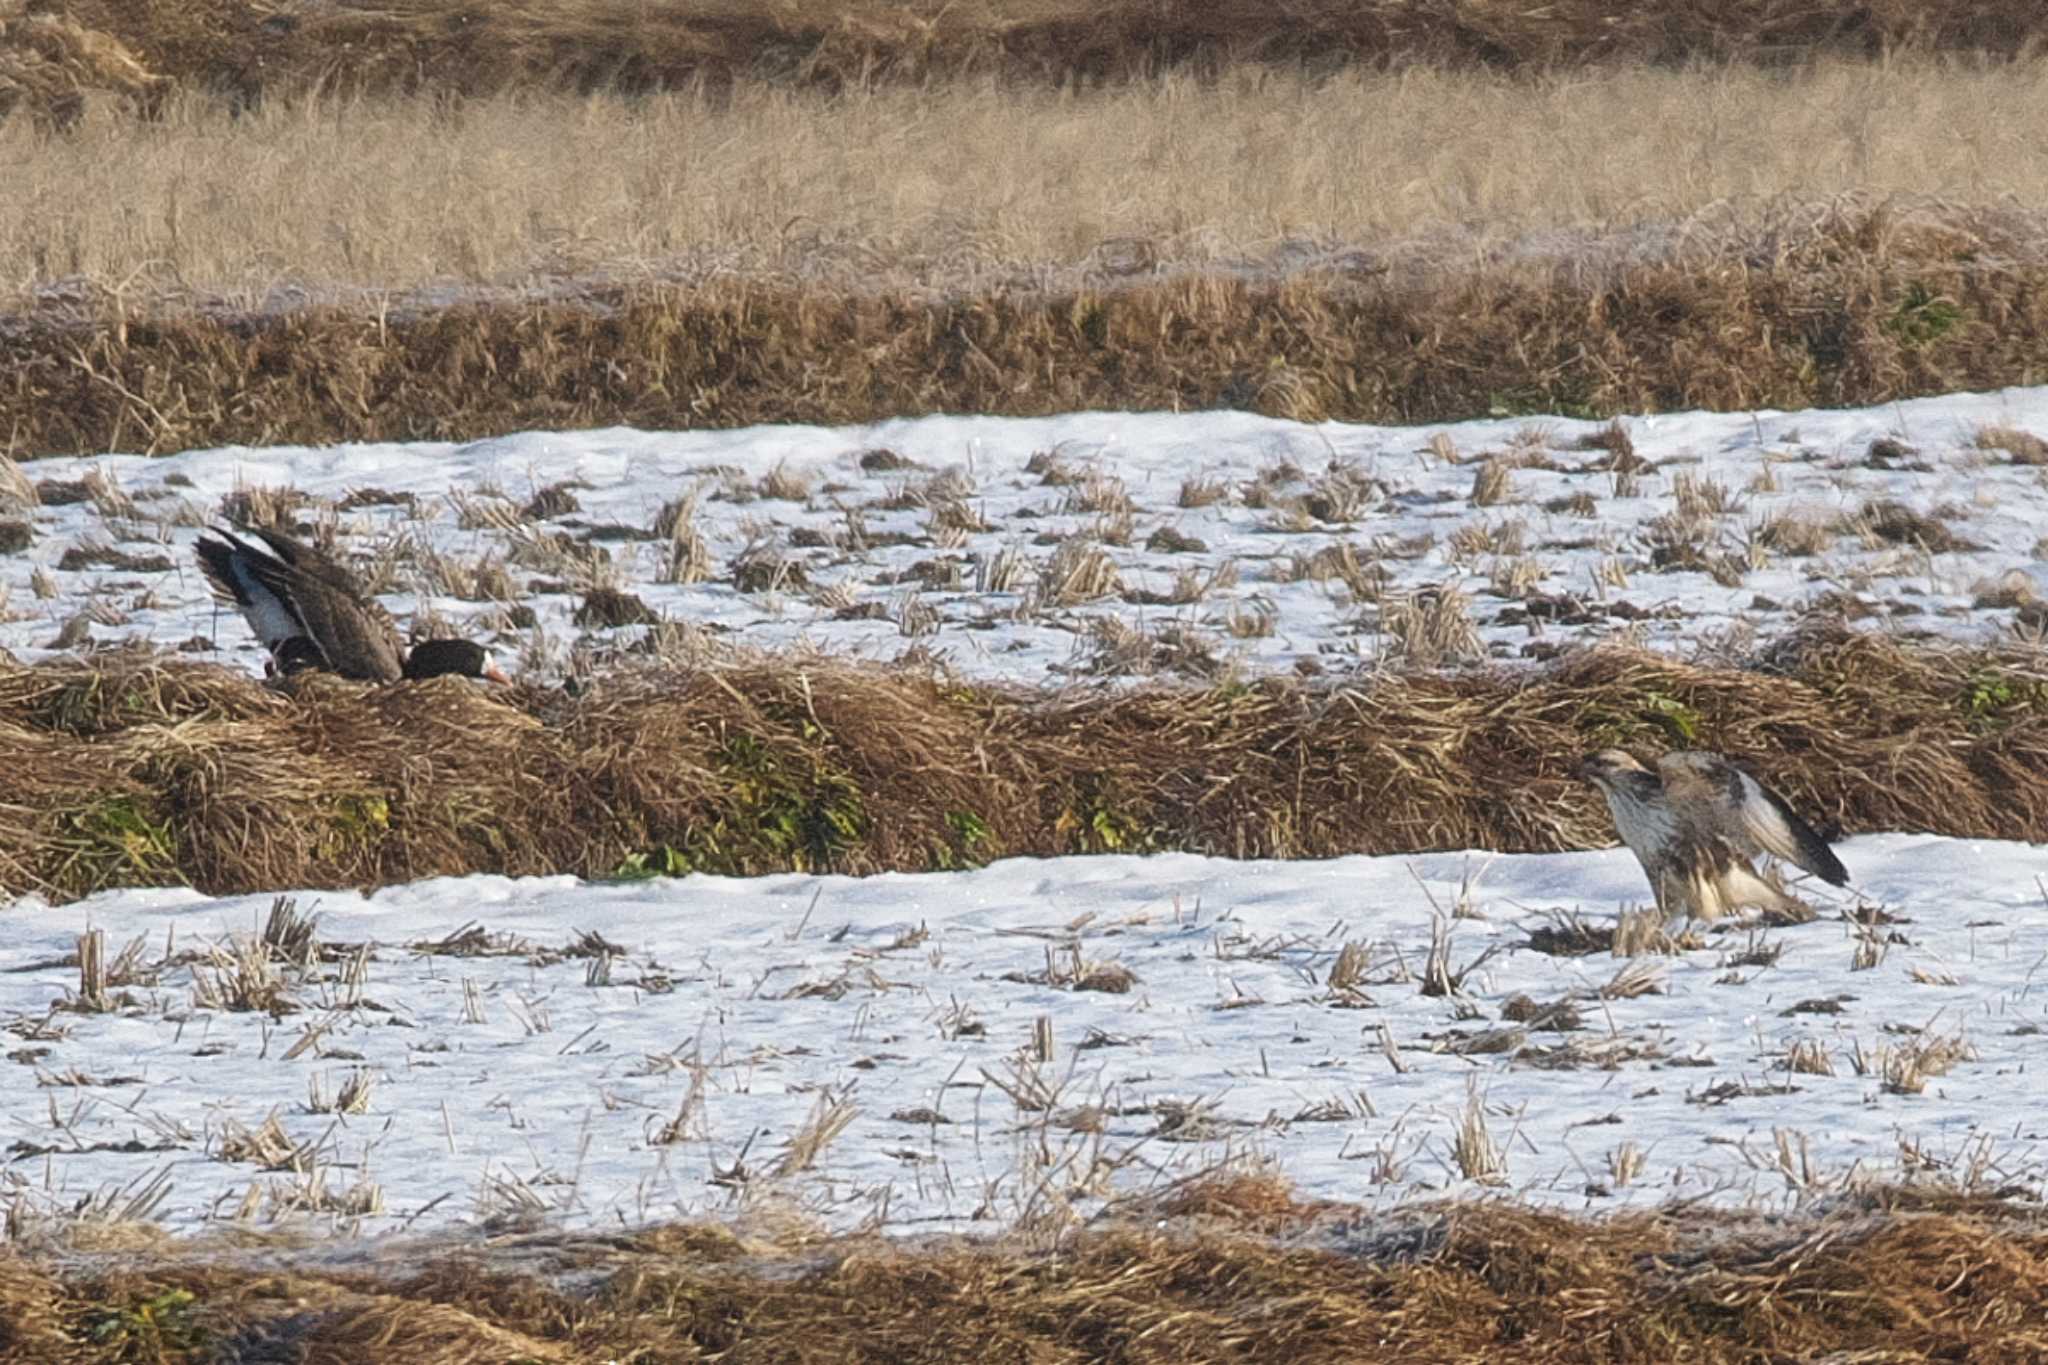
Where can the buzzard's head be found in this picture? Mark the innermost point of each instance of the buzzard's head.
(1608, 765)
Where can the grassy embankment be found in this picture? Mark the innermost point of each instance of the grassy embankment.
(151, 774)
(1196, 1275)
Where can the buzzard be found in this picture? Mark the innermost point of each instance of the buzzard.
(1695, 824)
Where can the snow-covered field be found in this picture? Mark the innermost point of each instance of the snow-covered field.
(1034, 1038)
(675, 1077)
(1096, 544)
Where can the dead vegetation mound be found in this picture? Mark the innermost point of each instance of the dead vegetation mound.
(1862, 303)
(153, 772)
(1951, 1277)
(257, 49)
(50, 65)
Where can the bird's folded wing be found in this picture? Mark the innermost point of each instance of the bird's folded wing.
(357, 635)
(1748, 814)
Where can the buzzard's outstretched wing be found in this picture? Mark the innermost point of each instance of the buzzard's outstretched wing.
(1732, 805)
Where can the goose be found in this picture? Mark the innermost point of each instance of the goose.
(1695, 823)
(310, 613)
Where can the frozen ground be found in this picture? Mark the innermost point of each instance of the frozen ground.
(675, 1071)
(931, 1051)
(1099, 544)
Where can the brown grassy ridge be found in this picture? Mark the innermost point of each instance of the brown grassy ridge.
(1859, 308)
(1891, 1275)
(150, 772)
(466, 48)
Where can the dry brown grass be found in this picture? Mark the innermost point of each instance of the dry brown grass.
(1430, 628)
(1861, 280)
(148, 772)
(445, 46)
(2023, 447)
(894, 188)
(1194, 1275)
